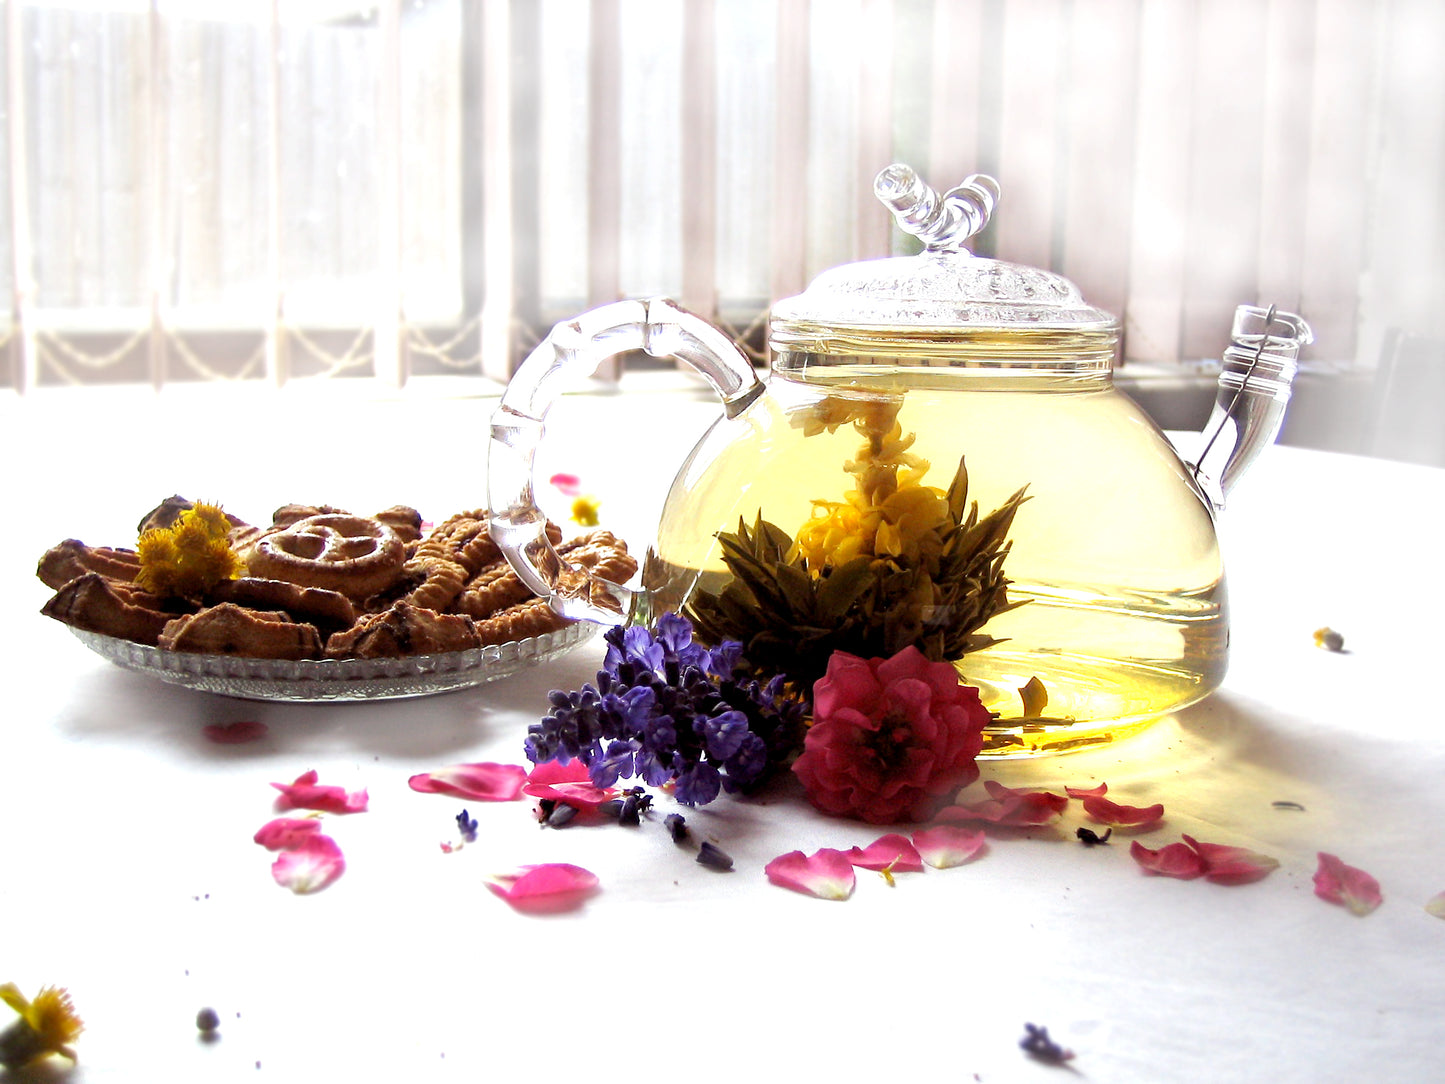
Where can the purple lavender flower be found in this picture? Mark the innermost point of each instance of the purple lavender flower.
(666, 709)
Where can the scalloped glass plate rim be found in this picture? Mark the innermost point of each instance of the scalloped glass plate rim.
(338, 679)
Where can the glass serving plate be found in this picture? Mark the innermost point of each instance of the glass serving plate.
(338, 679)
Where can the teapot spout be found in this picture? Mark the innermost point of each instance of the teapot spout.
(1254, 388)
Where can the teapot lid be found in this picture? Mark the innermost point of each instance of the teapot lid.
(945, 289)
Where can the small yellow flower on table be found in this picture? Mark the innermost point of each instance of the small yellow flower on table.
(48, 1024)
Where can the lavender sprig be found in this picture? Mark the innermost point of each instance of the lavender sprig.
(668, 710)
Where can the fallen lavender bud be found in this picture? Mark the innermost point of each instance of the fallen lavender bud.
(677, 827)
(562, 815)
(714, 858)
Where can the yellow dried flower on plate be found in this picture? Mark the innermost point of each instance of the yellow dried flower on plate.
(190, 556)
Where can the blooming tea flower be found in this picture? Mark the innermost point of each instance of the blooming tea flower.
(891, 738)
(889, 513)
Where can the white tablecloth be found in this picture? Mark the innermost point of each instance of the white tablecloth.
(130, 875)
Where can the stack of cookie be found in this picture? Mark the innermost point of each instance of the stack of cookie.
(320, 582)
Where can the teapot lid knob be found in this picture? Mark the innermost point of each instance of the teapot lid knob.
(943, 223)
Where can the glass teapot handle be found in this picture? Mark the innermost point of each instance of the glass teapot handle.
(571, 352)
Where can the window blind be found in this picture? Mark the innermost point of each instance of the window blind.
(295, 189)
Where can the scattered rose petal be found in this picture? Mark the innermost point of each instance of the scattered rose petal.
(1436, 905)
(545, 889)
(553, 771)
(568, 485)
(892, 852)
(1087, 792)
(826, 873)
(1216, 862)
(948, 845)
(235, 733)
(1104, 811)
(570, 784)
(1339, 883)
(287, 833)
(583, 796)
(485, 781)
(310, 866)
(1174, 860)
(305, 793)
(1232, 865)
(1008, 807)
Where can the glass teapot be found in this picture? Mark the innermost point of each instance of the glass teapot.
(940, 459)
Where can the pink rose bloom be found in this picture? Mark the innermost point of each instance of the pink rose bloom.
(891, 738)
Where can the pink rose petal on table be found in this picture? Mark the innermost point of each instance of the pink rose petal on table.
(1342, 884)
(569, 485)
(948, 845)
(1104, 811)
(287, 833)
(1227, 865)
(235, 733)
(545, 889)
(892, 852)
(483, 781)
(554, 771)
(826, 873)
(1087, 792)
(306, 793)
(1435, 905)
(1007, 807)
(568, 783)
(1174, 860)
(310, 866)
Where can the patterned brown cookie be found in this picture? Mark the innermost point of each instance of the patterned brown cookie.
(67, 560)
(442, 582)
(112, 608)
(228, 629)
(288, 514)
(606, 562)
(531, 618)
(314, 604)
(404, 520)
(498, 586)
(353, 555)
(401, 631)
(466, 539)
(493, 588)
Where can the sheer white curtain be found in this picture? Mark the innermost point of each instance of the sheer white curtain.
(294, 188)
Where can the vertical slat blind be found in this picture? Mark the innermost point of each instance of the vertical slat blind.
(294, 189)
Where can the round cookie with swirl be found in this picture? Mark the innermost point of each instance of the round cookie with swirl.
(356, 556)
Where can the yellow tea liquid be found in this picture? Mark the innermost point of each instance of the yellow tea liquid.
(1114, 550)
